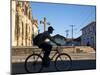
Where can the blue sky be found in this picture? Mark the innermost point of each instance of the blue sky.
(61, 16)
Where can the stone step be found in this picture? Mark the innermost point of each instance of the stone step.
(65, 49)
(74, 56)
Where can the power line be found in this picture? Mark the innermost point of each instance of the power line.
(87, 18)
(72, 32)
(67, 33)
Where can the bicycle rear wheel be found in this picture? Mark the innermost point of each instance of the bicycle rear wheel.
(63, 62)
(33, 63)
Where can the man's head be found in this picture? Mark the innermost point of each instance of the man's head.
(50, 29)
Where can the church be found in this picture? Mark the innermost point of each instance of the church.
(23, 25)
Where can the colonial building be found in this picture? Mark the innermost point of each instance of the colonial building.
(75, 42)
(89, 35)
(59, 39)
(66, 41)
(23, 24)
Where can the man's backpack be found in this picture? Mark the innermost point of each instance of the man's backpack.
(36, 39)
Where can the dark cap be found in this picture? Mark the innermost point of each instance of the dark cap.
(50, 28)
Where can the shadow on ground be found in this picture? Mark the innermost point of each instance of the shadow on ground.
(18, 68)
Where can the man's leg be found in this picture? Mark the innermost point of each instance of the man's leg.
(47, 48)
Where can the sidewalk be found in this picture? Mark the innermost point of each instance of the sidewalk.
(74, 56)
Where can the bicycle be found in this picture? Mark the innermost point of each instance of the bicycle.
(62, 61)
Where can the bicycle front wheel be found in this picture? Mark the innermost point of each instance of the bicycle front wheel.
(63, 62)
(33, 63)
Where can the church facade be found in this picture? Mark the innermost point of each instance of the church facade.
(24, 26)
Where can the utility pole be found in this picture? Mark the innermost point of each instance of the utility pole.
(67, 33)
(45, 23)
(72, 33)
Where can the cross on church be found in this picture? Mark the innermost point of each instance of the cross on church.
(45, 23)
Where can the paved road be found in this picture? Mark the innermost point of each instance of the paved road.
(18, 68)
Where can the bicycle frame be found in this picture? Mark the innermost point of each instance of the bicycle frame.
(57, 52)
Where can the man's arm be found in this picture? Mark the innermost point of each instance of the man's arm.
(54, 41)
(51, 39)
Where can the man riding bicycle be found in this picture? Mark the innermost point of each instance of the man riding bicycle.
(45, 45)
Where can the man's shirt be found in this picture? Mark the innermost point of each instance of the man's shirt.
(45, 37)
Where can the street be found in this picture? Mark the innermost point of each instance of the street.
(18, 68)
(80, 61)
